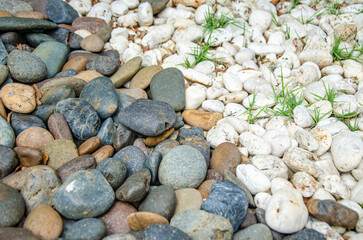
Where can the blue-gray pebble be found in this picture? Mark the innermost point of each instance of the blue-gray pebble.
(13, 6)
(152, 163)
(82, 119)
(227, 200)
(103, 64)
(133, 157)
(84, 194)
(44, 111)
(256, 231)
(61, 12)
(34, 39)
(306, 234)
(162, 231)
(7, 135)
(115, 171)
(3, 53)
(123, 101)
(57, 93)
(12, 206)
(101, 95)
(107, 132)
(21, 122)
(8, 161)
(87, 229)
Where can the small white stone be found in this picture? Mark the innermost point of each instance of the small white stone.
(222, 133)
(129, 20)
(206, 67)
(277, 123)
(271, 166)
(278, 141)
(194, 97)
(327, 166)
(260, 100)
(145, 14)
(81, 6)
(356, 193)
(305, 183)
(302, 117)
(300, 160)
(183, 47)
(306, 140)
(243, 151)
(157, 35)
(252, 178)
(83, 33)
(254, 144)
(101, 10)
(348, 180)
(119, 8)
(260, 18)
(218, 36)
(244, 55)
(232, 82)
(261, 200)
(213, 106)
(191, 33)
(263, 48)
(131, 4)
(359, 227)
(333, 69)
(233, 97)
(325, 229)
(283, 72)
(258, 85)
(322, 194)
(279, 183)
(286, 212)
(321, 109)
(197, 77)
(352, 69)
(277, 38)
(347, 150)
(332, 125)
(322, 58)
(234, 109)
(337, 189)
(132, 51)
(215, 92)
(239, 125)
(200, 13)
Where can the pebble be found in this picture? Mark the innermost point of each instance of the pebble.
(143, 78)
(145, 14)
(59, 152)
(92, 43)
(86, 228)
(76, 83)
(15, 6)
(34, 137)
(44, 222)
(57, 94)
(29, 14)
(12, 206)
(306, 234)
(187, 198)
(83, 162)
(300, 160)
(126, 72)
(205, 188)
(225, 156)
(157, 5)
(78, 63)
(182, 167)
(153, 141)
(253, 178)
(123, 137)
(141, 220)
(256, 231)
(89, 146)
(58, 127)
(254, 144)
(8, 161)
(116, 217)
(103, 153)
(7, 135)
(107, 132)
(200, 224)
(60, 12)
(18, 97)
(152, 162)
(103, 64)
(321, 57)
(72, 199)
(164, 231)
(114, 171)
(17, 233)
(133, 157)
(25, 24)
(91, 24)
(28, 156)
(205, 120)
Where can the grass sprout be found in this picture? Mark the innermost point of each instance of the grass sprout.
(340, 54)
(330, 94)
(317, 116)
(251, 117)
(287, 32)
(294, 4)
(274, 19)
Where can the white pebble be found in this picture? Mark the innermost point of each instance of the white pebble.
(131, 4)
(252, 178)
(244, 55)
(302, 117)
(322, 58)
(356, 193)
(300, 160)
(215, 92)
(129, 20)
(239, 125)
(222, 133)
(194, 97)
(213, 106)
(196, 77)
(234, 109)
(279, 183)
(157, 35)
(348, 180)
(101, 10)
(278, 141)
(81, 6)
(232, 82)
(261, 200)
(325, 229)
(337, 189)
(306, 140)
(254, 144)
(305, 183)
(272, 166)
(119, 8)
(263, 48)
(145, 14)
(201, 12)
(260, 18)
(322, 194)
(233, 97)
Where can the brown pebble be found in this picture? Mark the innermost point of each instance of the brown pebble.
(44, 222)
(28, 156)
(143, 77)
(2, 110)
(88, 75)
(18, 97)
(78, 63)
(4, 13)
(89, 23)
(89, 146)
(205, 187)
(153, 141)
(249, 219)
(69, 27)
(92, 43)
(103, 153)
(58, 126)
(34, 137)
(30, 14)
(139, 142)
(140, 220)
(83, 162)
(133, 92)
(225, 156)
(205, 120)
(213, 174)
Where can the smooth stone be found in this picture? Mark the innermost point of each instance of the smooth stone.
(116, 217)
(114, 54)
(75, 83)
(7, 135)
(101, 95)
(133, 92)
(82, 119)
(260, 216)
(89, 146)
(120, 236)
(29, 14)
(12, 206)
(139, 142)
(123, 137)
(123, 102)
(21, 122)
(29, 157)
(16, 233)
(85, 193)
(44, 222)
(61, 12)
(61, 34)
(143, 77)
(4, 72)
(157, 5)
(78, 63)
(32, 69)
(163, 232)
(34, 137)
(53, 54)
(58, 127)
(205, 120)
(107, 132)
(87, 228)
(306, 234)
(187, 198)
(333, 213)
(83, 162)
(199, 143)
(3, 53)
(248, 220)
(140, 220)
(66, 73)
(92, 43)
(168, 86)
(200, 224)
(39, 187)
(35, 39)
(206, 187)
(91, 24)
(104, 65)
(152, 162)
(165, 146)
(133, 157)
(14, 6)
(18, 97)
(153, 141)
(59, 152)
(126, 72)
(182, 167)
(135, 187)
(74, 41)
(225, 156)
(103, 153)
(228, 200)
(8, 161)
(24, 24)
(16, 180)
(256, 231)
(161, 200)
(3, 113)
(214, 174)
(4, 13)
(12, 38)
(114, 171)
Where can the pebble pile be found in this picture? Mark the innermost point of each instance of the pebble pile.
(181, 119)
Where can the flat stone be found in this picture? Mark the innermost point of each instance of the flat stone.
(78, 63)
(107, 132)
(226, 156)
(83, 162)
(116, 218)
(89, 146)
(59, 128)
(59, 152)
(164, 231)
(66, 73)
(44, 111)
(57, 93)
(92, 43)
(140, 220)
(306, 234)
(18, 97)
(8, 161)
(53, 54)
(103, 64)
(61, 34)
(256, 231)
(34, 137)
(29, 157)
(153, 141)
(87, 228)
(73, 200)
(133, 92)
(89, 23)
(123, 137)
(142, 79)
(103, 153)
(4, 13)
(12, 207)
(60, 12)
(24, 24)
(21, 122)
(133, 157)
(15, 6)
(101, 95)
(205, 120)
(168, 86)
(126, 72)
(29, 14)
(114, 170)
(35, 39)
(16, 180)
(123, 102)
(187, 198)
(16, 233)
(44, 222)
(39, 6)
(76, 83)
(152, 162)
(200, 224)
(7, 135)
(82, 119)
(39, 187)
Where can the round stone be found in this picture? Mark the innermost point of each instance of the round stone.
(60, 12)
(84, 194)
(107, 132)
(12, 206)
(59, 152)
(21, 122)
(57, 93)
(83, 162)
(8, 161)
(182, 167)
(256, 231)
(140, 220)
(133, 157)
(104, 65)
(28, 156)
(187, 198)
(164, 231)
(114, 170)
(143, 78)
(87, 228)
(34, 137)
(7, 135)
(225, 156)
(18, 97)
(92, 43)
(74, 82)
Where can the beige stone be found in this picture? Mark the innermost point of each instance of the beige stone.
(143, 78)
(34, 137)
(18, 97)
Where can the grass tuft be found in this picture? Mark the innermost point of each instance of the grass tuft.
(340, 54)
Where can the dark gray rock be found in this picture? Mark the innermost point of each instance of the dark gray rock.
(9, 24)
(8, 161)
(4, 72)
(21, 122)
(82, 119)
(148, 117)
(13, 38)
(84, 194)
(107, 132)
(3, 54)
(179, 122)
(157, 5)
(7, 135)
(60, 34)
(306, 234)
(44, 111)
(57, 93)
(256, 231)
(66, 73)
(87, 229)
(133, 157)
(249, 219)
(101, 95)
(152, 163)
(74, 41)
(34, 39)
(103, 64)
(123, 137)
(114, 170)
(198, 142)
(162, 231)
(12, 206)
(112, 54)
(228, 200)
(26, 67)
(61, 12)
(39, 6)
